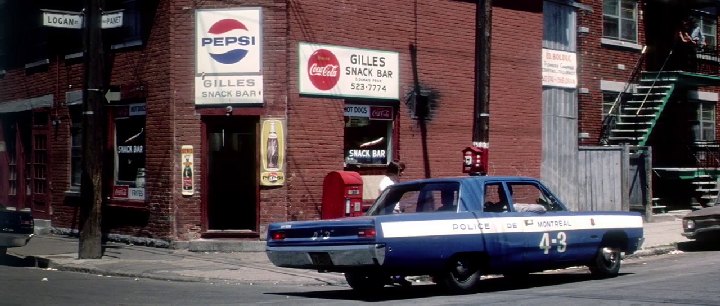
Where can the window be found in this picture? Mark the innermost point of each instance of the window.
(529, 197)
(704, 124)
(608, 102)
(417, 198)
(75, 146)
(368, 134)
(620, 20)
(129, 127)
(708, 28)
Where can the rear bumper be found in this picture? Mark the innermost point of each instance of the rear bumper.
(8, 240)
(327, 257)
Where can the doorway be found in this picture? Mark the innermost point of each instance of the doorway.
(231, 187)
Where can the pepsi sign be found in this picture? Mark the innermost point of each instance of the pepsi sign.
(228, 41)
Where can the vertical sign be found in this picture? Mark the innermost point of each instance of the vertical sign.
(272, 152)
(186, 166)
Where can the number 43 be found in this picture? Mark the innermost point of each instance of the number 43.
(546, 243)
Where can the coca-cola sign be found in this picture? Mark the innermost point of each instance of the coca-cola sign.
(323, 69)
(381, 112)
(348, 72)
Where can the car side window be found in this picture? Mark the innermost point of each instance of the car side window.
(529, 197)
(421, 198)
(496, 200)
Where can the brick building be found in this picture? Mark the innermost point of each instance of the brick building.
(200, 98)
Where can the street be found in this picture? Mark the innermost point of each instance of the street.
(688, 278)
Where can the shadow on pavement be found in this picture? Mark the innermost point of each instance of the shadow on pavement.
(698, 245)
(15, 261)
(427, 290)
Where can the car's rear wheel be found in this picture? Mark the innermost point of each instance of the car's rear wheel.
(606, 262)
(462, 275)
(366, 281)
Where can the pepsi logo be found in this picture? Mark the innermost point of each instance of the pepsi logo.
(323, 69)
(224, 39)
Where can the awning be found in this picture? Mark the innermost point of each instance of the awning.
(20, 105)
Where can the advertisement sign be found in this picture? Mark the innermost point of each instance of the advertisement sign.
(187, 170)
(272, 152)
(228, 41)
(368, 111)
(228, 56)
(348, 72)
(228, 89)
(559, 68)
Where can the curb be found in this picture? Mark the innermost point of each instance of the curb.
(48, 263)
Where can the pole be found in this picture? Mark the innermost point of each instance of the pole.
(481, 122)
(93, 136)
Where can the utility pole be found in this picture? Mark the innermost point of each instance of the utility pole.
(93, 134)
(481, 124)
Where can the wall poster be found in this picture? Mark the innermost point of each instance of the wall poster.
(186, 170)
(272, 152)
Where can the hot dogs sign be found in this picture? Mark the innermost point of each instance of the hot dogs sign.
(348, 72)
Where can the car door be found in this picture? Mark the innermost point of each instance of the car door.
(503, 237)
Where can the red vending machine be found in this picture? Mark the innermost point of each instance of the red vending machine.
(342, 195)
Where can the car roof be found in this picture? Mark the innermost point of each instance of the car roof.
(479, 179)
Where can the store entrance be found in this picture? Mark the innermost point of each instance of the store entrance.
(231, 180)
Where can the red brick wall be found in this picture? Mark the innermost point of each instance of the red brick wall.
(444, 34)
(598, 62)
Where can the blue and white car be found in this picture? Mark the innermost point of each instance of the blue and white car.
(458, 229)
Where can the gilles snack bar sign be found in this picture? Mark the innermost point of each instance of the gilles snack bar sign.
(348, 72)
(228, 56)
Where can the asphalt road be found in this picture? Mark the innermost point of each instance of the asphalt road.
(686, 278)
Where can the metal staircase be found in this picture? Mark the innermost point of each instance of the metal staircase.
(706, 189)
(636, 117)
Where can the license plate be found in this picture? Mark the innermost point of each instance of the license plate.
(321, 259)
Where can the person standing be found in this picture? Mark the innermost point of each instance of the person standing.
(392, 175)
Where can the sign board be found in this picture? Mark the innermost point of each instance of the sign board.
(272, 152)
(74, 20)
(348, 72)
(228, 89)
(228, 41)
(559, 68)
(369, 111)
(187, 170)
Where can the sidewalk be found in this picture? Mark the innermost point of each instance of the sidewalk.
(59, 252)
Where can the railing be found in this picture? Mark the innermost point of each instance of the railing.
(708, 61)
(706, 154)
(611, 117)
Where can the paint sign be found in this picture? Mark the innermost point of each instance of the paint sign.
(559, 68)
(348, 72)
(272, 152)
(187, 170)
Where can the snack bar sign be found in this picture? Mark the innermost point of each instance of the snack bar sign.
(348, 72)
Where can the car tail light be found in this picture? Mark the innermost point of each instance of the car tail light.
(367, 233)
(278, 236)
(28, 222)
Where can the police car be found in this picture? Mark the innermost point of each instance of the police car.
(458, 229)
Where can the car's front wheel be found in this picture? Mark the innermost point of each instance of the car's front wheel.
(366, 281)
(606, 262)
(462, 275)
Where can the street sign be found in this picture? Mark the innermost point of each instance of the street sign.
(112, 95)
(74, 20)
(61, 19)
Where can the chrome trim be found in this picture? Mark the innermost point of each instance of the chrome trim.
(341, 256)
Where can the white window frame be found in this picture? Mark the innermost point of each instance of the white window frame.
(621, 22)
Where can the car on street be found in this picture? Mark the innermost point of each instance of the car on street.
(702, 224)
(457, 229)
(16, 228)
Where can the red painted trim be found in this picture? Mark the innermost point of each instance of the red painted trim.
(204, 153)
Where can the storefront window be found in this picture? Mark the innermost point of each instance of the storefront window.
(368, 134)
(130, 152)
(75, 147)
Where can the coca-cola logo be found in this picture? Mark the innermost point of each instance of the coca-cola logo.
(380, 112)
(323, 69)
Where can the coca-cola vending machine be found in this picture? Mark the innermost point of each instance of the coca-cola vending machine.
(342, 195)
